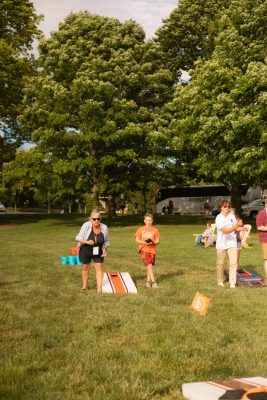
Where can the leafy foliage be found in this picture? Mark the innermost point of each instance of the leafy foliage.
(17, 31)
(188, 33)
(92, 103)
(219, 118)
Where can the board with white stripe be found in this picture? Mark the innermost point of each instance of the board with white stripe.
(215, 390)
(118, 282)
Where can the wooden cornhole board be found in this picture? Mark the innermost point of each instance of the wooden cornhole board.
(224, 390)
(118, 282)
(249, 278)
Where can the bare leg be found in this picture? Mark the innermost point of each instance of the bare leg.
(99, 277)
(265, 269)
(85, 275)
(150, 273)
(147, 275)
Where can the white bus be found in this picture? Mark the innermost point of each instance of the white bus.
(193, 199)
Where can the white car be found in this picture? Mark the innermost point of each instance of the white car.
(252, 209)
(2, 207)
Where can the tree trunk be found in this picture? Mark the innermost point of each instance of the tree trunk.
(95, 198)
(111, 205)
(48, 202)
(144, 199)
(235, 193)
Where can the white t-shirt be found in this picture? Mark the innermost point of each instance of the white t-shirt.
(225, 241)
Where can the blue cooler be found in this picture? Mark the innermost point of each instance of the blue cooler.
(72, 260)
(64, 260)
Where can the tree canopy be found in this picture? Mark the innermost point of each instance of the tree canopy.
(92, 102)
(18, 28)
(188, 33)
(108, 112)
(219, 118)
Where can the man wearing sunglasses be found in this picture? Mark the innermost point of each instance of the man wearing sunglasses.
(226, 242)
(93, 242)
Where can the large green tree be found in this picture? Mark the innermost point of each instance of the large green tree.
(18, 23)
(219, 118)
(18, 29)
(91, 105)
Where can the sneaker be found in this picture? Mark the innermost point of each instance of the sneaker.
(232, 286)
(220, 284)
(148, 284)
(154, 285)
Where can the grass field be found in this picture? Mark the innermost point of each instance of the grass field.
(59, 343)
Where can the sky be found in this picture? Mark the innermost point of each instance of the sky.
(147, 13)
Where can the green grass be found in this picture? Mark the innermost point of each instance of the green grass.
(58, 343)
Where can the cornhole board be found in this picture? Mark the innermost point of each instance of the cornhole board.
(223, 390)
(249, 278)
(118, 282)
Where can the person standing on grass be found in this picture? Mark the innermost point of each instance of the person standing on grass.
(226, 242)
(148, 237)
(238, 240)
(261, 223)
(93, 242)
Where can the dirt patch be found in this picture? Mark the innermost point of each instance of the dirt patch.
(7, 226)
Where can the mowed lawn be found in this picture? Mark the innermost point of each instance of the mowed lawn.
(59, 343)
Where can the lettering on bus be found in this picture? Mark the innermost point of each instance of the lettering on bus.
(198, 199)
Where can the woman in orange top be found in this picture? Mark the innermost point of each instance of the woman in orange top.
(148, 237)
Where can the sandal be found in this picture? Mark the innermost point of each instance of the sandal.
(83, 289)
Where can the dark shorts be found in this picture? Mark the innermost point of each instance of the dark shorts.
(86, 256)
(148, 258)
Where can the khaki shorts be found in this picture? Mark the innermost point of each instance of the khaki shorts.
(264, 250)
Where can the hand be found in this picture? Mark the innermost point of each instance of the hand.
(239, 223)
(91, 242)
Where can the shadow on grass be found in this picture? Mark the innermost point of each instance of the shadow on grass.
(54, 219)
(11, 283)
(160, 277)
(118, 221)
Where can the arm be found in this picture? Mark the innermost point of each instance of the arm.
(262, 228)
(140, 241)
(233, 228)
(261, 222)
(83, 241)
(241, 228)
(84, 233)
(106, 237)
(156, 237)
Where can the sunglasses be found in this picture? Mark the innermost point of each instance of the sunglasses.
(226, 207)
(96, 219)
